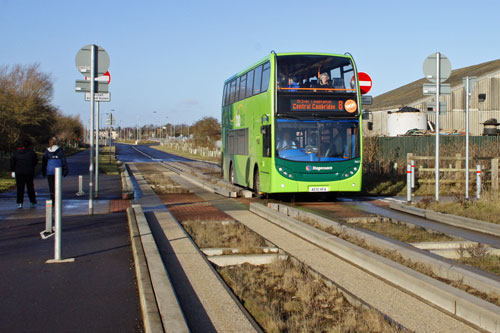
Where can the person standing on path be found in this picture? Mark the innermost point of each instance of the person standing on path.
(22, 166)
(53, 158)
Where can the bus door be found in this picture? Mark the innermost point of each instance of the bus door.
(265, 161)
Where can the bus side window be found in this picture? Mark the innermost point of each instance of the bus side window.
(266, 75)
(249, 83)
(237, 93)
(233, 92)
(257, 80)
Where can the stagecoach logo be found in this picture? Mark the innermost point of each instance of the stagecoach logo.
(318, 168)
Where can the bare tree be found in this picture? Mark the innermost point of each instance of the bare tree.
(206, 132)
(25, 109)
(69, 129)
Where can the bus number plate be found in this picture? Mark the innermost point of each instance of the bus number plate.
(319, 189)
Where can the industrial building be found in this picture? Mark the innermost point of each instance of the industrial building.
(406, 108)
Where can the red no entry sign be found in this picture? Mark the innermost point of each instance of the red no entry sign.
(365, 82)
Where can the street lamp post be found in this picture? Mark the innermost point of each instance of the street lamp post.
(110, 128)
(137, 131)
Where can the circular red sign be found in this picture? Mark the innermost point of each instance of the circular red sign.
(365, 82)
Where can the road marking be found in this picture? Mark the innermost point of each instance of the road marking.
(143, 153)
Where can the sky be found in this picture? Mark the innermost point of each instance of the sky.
(169, 59)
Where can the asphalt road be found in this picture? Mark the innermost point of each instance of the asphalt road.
(144, 153)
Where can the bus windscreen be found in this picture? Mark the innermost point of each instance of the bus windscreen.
(315, 74)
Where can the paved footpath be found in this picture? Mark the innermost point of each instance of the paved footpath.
(95, 293)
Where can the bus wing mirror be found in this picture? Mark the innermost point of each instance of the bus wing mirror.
(265, 118)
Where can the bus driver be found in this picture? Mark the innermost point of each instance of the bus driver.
(286, 142)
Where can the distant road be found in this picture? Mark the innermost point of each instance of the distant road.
(144, 153)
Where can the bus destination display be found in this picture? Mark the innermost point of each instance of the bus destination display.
(314, 105)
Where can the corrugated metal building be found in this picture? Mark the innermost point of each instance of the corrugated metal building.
(488, 82)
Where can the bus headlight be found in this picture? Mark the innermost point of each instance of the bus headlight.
(350, 172)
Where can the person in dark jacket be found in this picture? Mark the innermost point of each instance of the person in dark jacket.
(53, 158)
(22, 166)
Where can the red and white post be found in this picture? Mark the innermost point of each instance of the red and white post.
(478, 181)
(408, 183)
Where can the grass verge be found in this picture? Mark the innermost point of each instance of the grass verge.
(286, 297)
(215, 234)
(383, 185)
(407, 233)
(107, 161)
(486, 263)
(487, 208)
(6, 181)
(395, 256)
(185, 154)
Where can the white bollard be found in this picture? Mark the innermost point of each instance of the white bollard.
(58, 220)
(80, 186)
(478, 181)
(408, 183)
(48, 221)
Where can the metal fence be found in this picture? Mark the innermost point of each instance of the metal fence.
(387, 155)
(191, 149)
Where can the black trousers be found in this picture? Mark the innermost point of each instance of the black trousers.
(52, 179)
(21, 182)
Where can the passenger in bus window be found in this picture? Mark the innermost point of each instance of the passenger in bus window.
(324, 80)
(292, 84)
(305, 83)
(282, 81)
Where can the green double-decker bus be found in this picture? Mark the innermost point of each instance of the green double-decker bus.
(291, 123)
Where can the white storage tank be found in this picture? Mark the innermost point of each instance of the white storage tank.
(400, 122)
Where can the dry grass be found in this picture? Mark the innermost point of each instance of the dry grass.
(213, 234)
(402, 232)
(185, 154)
(487, 208)
(163, 184)
(285, 297)
(488, 263)
(107, 161)
(6, 181)
(477, 256)
(417, 266)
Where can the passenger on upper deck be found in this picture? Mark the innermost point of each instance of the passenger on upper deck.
(292, 84)
(324, 80)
